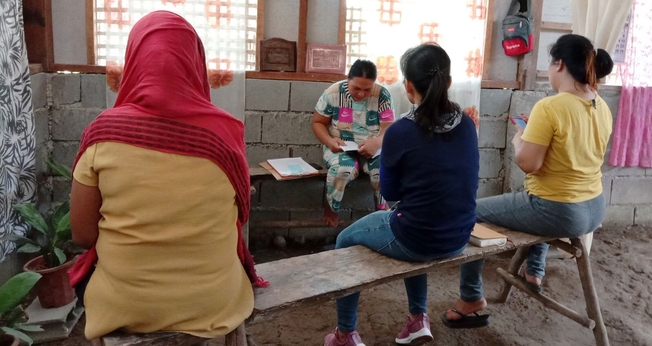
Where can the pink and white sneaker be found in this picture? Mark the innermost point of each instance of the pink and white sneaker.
(352, 339)
(415, 332)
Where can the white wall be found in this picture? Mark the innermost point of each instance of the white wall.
(323, 21)
(69, 31)
(282, 19)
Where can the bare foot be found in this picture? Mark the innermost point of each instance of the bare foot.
(330, 217)
(465, 308)
(532, 279)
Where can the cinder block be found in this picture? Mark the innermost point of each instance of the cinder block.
(253, 127)
(643, 215)
(359, 195)
(492, 133)
(523, 101)
(304, 95)
(310, 154)
(514, 176)
(65, 152)
(300, 235)
(110, 98)
(42, 125)
(316, 214)
(259, 153)
(490, 163)
(631, 191)
(494, 102)
(69, 123)
(288, 128)
(39, 164)
(606, 189)
(267, 95)
(301, 193)
(619, 215)
(93, 90)
(489, 187)
(66, 88)
(611, 95)
(60, 190)
(255, 198)
(615, 171)
(39, 90)
(269, 215)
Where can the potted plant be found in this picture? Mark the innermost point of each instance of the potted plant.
(51, 242)
(12, 315)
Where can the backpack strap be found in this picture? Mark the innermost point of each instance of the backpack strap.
(521, 7)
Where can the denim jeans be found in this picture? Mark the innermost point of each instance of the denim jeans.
(373, 231)
(530, 214)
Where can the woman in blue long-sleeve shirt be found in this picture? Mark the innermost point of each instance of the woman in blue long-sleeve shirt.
(429, 163)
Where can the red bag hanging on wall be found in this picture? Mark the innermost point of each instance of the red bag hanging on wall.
(517, 29)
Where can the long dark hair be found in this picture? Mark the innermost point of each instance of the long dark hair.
(586, 64)
(428, 67)
(363, 68)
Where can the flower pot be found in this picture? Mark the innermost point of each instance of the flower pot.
(53, 288)
(8, 340)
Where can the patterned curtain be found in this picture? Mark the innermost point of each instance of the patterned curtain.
(17, 136)
(632, 138)
(382, 30)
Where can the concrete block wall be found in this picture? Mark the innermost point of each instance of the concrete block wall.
(277, 120)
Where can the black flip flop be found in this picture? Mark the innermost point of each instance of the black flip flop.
(466, 321)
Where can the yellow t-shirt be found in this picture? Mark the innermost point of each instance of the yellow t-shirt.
(576, 135)
(166, 246)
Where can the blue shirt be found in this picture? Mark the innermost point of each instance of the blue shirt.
(435, 178)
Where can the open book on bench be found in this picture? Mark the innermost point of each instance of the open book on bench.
(289, 168)
(482, 236)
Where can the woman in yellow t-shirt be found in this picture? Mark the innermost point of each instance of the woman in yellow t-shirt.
(561, 149)
(160, 192)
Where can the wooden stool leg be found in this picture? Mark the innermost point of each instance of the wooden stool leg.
(590, 295)
(238, 337)
(514, 266)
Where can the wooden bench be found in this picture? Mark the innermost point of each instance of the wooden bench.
(316, 278)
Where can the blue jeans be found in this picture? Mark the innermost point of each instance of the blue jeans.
(530, 214)
(373, 231)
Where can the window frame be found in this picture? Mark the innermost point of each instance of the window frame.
(44, 57)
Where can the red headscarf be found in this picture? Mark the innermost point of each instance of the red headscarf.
(164, 104)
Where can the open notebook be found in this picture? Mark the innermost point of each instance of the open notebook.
(291, 167)
(483, 237)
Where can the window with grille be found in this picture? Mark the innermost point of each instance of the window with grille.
(226, 27)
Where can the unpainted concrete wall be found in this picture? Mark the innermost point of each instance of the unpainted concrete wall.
(277, 121)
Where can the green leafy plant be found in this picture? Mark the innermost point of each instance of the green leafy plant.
(12, 315)
(55, 234)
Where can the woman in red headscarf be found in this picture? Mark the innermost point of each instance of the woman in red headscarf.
(160, 191)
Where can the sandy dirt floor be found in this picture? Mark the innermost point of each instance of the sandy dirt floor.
(622, 269)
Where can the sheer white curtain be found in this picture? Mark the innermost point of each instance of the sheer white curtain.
(223, 26)
(601, 21)
(382, 30)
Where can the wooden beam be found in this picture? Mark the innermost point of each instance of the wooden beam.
(514, 266)
(297, 224)
(488, 34)
(37, 17)
(310, 77)
(341, 28)
(527, 64)
(90, 32)
(78, 68)
(260, 29)
(547, 302)
(301, 42)
(556, 26)
(35, 68)
(500, 84)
